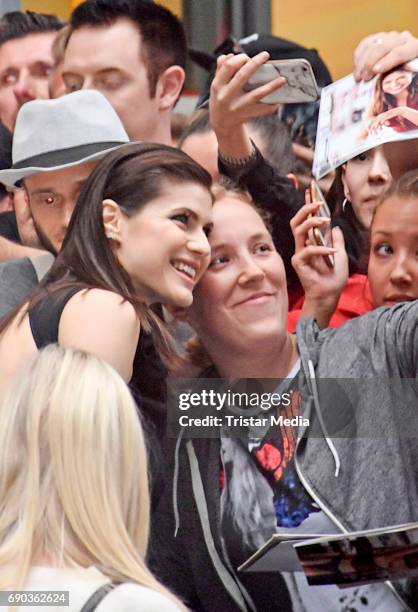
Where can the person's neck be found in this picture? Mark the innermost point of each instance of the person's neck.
(274, 362)
(161, 134)
(402, 98)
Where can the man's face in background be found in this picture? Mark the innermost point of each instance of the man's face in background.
(109, 58)
(52, 197)
(25, 66)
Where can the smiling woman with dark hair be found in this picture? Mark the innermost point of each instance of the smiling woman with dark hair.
(138, 237)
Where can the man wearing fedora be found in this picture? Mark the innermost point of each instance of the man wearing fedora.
(56, 145)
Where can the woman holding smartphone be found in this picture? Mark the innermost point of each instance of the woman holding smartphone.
(354, 194)
(393, 263)
(229, 494)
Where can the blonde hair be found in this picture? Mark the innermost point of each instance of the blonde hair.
(73, 471)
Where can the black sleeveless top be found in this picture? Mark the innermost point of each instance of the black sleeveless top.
(149, 373)
(147, 383)
(44, 318)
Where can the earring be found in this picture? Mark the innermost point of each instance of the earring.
(112, 236)
(345, 202)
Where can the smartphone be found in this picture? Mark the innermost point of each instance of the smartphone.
(322, 237)
(300, 83)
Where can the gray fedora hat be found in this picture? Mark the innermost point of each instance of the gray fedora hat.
(56, 134)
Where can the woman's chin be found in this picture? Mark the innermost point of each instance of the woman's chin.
(182, 299)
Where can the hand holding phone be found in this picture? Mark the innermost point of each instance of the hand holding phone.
(300, 83)
(322, 269)
(322, 237)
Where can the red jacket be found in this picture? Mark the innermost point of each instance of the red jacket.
(355, 300)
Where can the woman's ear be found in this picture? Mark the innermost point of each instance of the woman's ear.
(112, 219)
(292, 178)
(344, 182)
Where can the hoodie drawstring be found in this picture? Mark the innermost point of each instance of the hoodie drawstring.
(328, 440)
(175, 483)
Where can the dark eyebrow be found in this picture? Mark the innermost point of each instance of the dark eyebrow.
(217, 247)
(193, 214)
(109, 70)
(382, 232)
(8, 69)
(42, 63)
(45, 190)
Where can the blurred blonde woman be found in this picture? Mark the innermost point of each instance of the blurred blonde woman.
(74, 502)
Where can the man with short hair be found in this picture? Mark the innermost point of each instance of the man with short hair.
(25, 64)
(25, 60)
(56, 145)
(134, 52)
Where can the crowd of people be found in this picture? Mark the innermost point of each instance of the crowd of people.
(126, 262)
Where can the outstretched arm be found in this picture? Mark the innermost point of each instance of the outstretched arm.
(230, 107)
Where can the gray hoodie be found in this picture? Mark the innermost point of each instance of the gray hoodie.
(359, 460)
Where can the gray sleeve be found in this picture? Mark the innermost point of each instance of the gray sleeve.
(382, 343)
(17, 279)
(403, 323)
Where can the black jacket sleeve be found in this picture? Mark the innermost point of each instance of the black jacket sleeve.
(8, 227)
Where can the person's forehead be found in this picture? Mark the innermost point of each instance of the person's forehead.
(396, 74)
(58, 181)
(27, 50)
(397, 214)
(102, 47)
(233, 217)
(402, 156)
(203, 148)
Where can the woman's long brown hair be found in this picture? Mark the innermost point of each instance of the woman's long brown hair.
(132, 176)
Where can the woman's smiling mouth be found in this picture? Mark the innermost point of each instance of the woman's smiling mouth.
(186, 269)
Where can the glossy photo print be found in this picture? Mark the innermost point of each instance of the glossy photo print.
(357, 116)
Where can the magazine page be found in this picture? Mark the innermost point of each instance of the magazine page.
(357, 116)
(361, 557)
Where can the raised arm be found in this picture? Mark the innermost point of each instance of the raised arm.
(230, 107)
(30, 245)
(13, 250)
(322, 285)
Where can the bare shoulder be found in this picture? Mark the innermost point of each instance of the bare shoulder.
(102, 300)
(101, 322)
